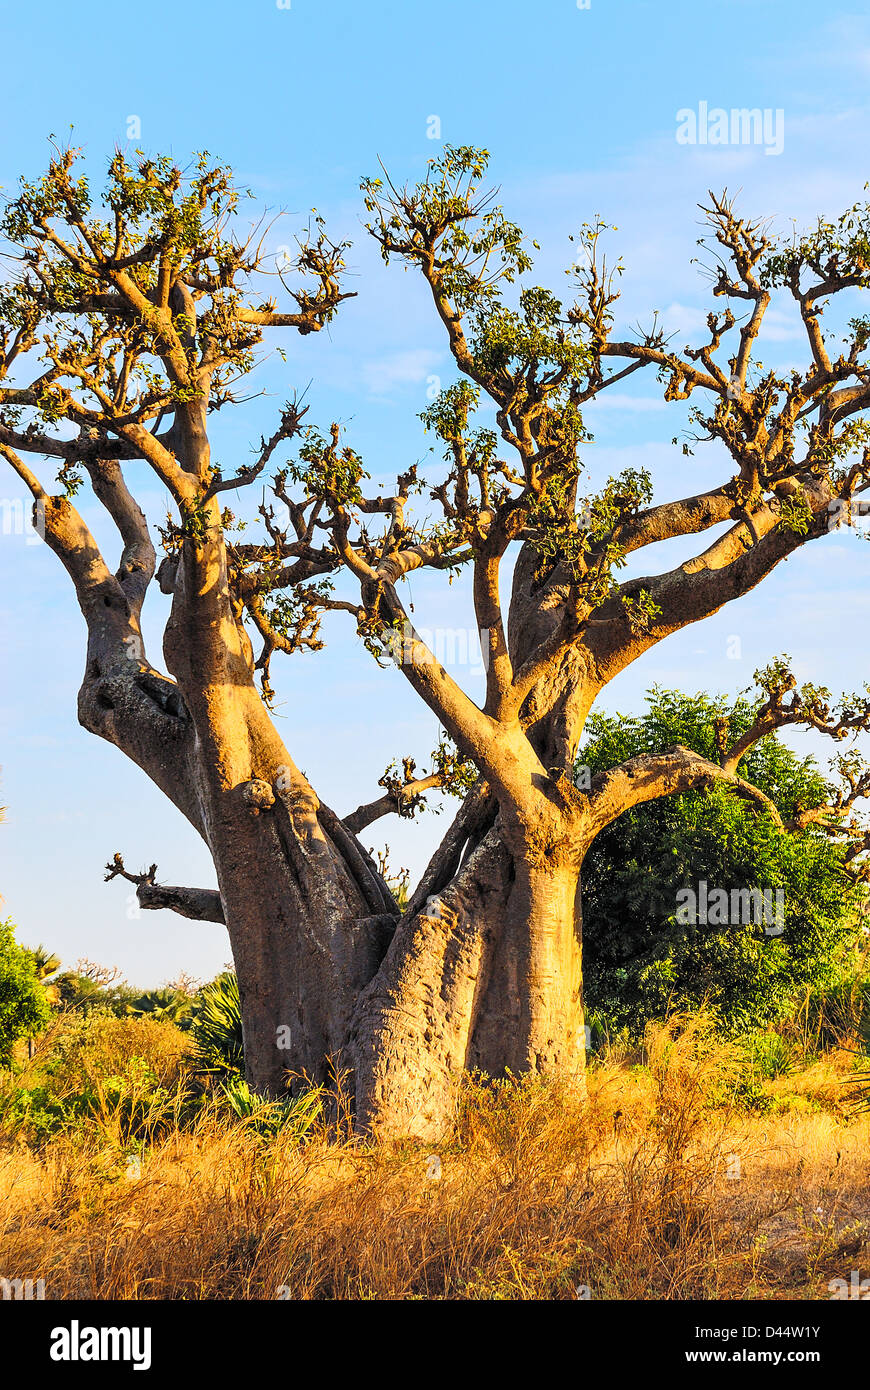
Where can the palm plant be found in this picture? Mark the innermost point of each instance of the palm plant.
(216, 1025)
(46, 964)
(165, 1005)
(296, 1114)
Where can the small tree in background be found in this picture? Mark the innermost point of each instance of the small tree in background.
(90, 985)
(641, 960)
(24, 1008)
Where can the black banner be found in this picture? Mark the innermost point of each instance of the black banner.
(82, 1340)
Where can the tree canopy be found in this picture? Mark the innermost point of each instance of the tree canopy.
(641, 960)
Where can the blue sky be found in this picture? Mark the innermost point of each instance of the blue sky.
(579, 110)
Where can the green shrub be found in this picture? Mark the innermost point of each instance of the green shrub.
(165, 1005)
(641, 962)
(24, 1007)
(296, 1115)
(768, 1055)
(126, 1077)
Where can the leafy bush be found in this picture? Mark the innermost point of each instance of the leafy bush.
(768, 1056)
(124, 1076)
(24, 1006)
(641, 962)
(166, 1005)
(104, 1045)
(93, 987)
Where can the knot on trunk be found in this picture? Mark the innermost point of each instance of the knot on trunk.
(257, 795)
(167, 573)
(552, 851)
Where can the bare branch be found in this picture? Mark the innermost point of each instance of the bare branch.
(198, 904)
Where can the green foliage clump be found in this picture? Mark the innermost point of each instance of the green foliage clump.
(87, 989)
(294, 1114)
(216, 1027)
(641, 962)
(165, 1005)
(128, 1078)
(24, 1006)
(171, 1060)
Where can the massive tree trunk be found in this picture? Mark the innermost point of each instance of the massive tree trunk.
(485, 969)
(486, 974)
(305, 910)
(530, 1018)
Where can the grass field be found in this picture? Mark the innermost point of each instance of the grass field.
(689, 1170)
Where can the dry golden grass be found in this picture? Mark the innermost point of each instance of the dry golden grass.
(633, 1192)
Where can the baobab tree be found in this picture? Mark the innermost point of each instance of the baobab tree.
(137, 318)
(143, 323)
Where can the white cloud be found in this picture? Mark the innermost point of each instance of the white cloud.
(383, 375)
(682, 318)
(781, 327)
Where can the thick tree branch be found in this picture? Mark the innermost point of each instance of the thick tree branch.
(653, 775)
(199, 904)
